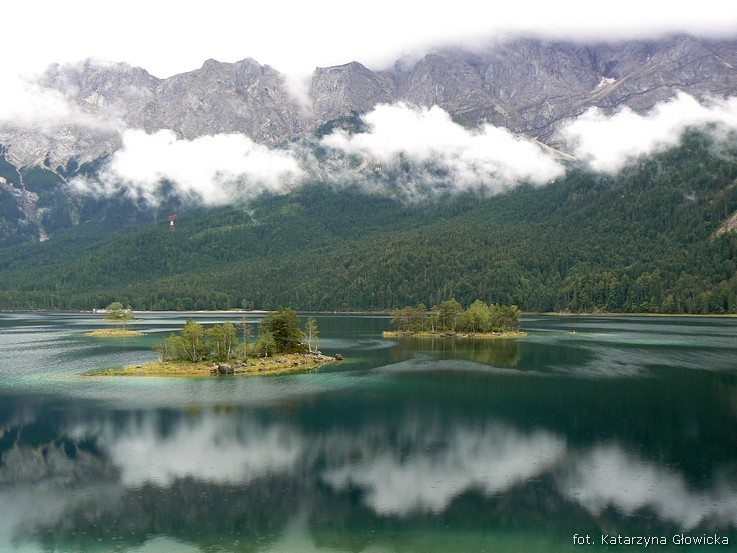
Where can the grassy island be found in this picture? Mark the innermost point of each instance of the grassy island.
(114, 333)
(281, 364)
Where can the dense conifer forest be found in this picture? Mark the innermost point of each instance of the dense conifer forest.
(645, 240)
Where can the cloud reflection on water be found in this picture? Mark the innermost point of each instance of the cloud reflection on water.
(489, 459)
(417, 466)
(216, 447)
(413, 467)
(607, 476)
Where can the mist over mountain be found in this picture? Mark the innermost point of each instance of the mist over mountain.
(527, 86)
(226, 132)
(94, 156)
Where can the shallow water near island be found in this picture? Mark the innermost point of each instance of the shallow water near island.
(589, 425)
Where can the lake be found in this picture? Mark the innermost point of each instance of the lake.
(590, 426)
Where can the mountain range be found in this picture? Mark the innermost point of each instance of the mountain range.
(527, 86)
(62, 247)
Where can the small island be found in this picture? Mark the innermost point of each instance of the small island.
(115, 312)
(281, 348)
(449, 320)
(114, 333)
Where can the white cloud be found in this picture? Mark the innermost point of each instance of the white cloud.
(491, 158)
(231, 168)
(441, 154)
(25, 103)
(608, 142)
(216, 170)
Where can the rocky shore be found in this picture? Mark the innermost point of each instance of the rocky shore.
(279, 364)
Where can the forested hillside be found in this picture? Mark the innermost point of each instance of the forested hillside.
(645, 240)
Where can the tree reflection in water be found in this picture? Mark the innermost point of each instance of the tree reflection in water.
(500, 353)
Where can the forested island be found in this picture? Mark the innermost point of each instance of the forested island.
(115, 312)
(448, 319)
(282, 347)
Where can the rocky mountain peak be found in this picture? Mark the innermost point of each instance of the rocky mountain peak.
(344, 89)
(527, 85)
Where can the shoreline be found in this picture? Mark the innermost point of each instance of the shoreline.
(615, 314)
(385, 313)
(463, 335)
(287, 363)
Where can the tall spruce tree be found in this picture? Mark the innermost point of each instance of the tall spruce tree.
(283, 326)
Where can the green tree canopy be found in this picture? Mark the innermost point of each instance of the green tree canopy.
(193, 343)
(265, 345)
(448, 312)
(221, 341)
(116, 312)
(450, 316)
(283, 326)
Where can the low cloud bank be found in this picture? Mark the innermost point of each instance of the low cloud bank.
(490, 158)
(411, 151)
(607, 143)
(214, 170)
(26, 104)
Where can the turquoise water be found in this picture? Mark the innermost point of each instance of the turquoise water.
(598, 426)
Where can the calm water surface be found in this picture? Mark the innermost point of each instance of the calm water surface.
(610, 425)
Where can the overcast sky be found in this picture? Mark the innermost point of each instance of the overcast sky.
(294, 37)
